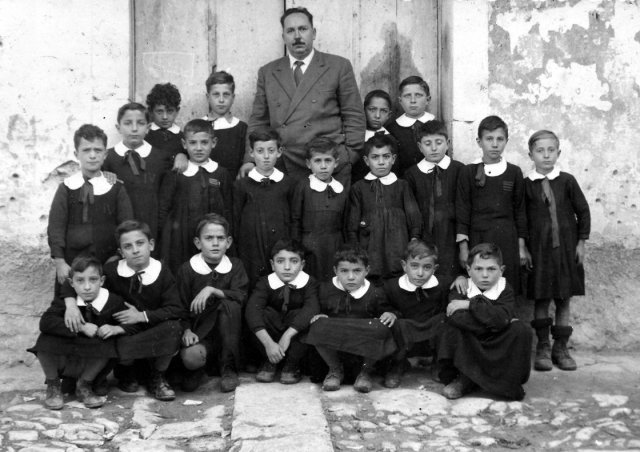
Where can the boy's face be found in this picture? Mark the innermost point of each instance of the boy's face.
(136, 248)
(199, 145)
(414, 100)
(322, 165)
(545, 154)
(213, 243)
(377, 112)
(287, 265)
(91, 155)
(220, 97)
(133, 127)
(164, 116)
(380, 161)
(87, 283)
(492, 143)
(351, 275)
(265, 155)
(485, 273)
(419, 269)
(433, 147)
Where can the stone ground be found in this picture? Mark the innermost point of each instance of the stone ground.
(594, 408)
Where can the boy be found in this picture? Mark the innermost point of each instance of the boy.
(482, 342)
(231, 132)
(213, 288)
(279, 309)
(86, 208)
(433, 182)
(63, 352)
(490, 202)
(417, 298)
(352, 330)
(319, 208)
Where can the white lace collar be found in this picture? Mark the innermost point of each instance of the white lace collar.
(407, 285)
(406, 121)
(320, 186)
(276, 176)
(298, 282)
(492, 294)
(98, 303)
(148, 275)
(143, 151)
(100, 184)
(192, 168)
(426, 166)
(200, 266)
(174, 129)
(535, 175)
(494, 169)
(369, 133)
(358, 293)
(222, 122)
(386, 180)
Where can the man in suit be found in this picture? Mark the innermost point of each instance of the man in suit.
(307, 94)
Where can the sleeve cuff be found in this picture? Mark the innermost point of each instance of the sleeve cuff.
(461, 238)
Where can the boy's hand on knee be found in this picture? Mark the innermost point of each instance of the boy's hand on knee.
(388, 319)
(284, 342)
(189, 338)
(89, 329)
(274, 352)
(180, 163)
(457, 305)
(107, 331)
(199, 303)
(72, 317)
(461, 284)
(129, 316)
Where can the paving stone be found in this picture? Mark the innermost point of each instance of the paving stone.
(351, 445)
(410, 422)
(28, 425)
(388, 447)
(484, 441)
(411, 445)
(343, 409)
(446, 432)
(606, 400)
(23, 435)
(412, 430)
(53, 433)
(48, 420)
(585, 434)
(410, 402)
(470, 406)
(30, 407)
(337, 430)
(151, 446)
(209, 424)
(46, 448)
(620, 412)
(366, 425)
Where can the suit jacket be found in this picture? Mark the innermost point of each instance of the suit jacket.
(326, 103)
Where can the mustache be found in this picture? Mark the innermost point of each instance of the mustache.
(298, 41)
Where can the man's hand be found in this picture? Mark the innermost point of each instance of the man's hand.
(129, 316)
(244, 169)
(580, 252)
(525, 255)
(461, 284)
(62, 270)
(107, 331)
(463, 256)
(457, 305)
(180, 163)
(89, 329)
(72, 317)
(189, 338)
(388, 319)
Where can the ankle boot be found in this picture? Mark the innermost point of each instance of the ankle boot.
(560, 353)
(543, 348)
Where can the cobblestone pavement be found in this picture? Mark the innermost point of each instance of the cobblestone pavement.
(594, 408)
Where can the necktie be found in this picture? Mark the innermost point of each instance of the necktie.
(347, 304)
(90, 313)
(265, 181)
(376, 187)
(136, 283)
(130, 157)
(331, 192)
(481, 178)
(297, 71)
(436, 192)
(86, 200)
(421, 295)
(550, 201)
(286, 296)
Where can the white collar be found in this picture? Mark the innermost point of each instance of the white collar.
(320, 186)
(149, 274)
(534, 175)
(358, 293)
(143, 151)
(100, 184)
(98, 303)
(369, 133)
(305, 62)
(407, 285)
(298, 282)
(405, 121)
(200, 266)
(492, 294)
(386, 180)
(222, 122)
(494, 169)
(174, 129)
(276, 176)
(192, 168)
(426, 167)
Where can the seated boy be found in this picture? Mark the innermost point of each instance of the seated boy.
(279, 309)
(481, 342)
(213, 288)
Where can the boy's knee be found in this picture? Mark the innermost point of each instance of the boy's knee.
(194, 357)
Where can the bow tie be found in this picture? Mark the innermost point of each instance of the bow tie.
(86, 198)
(286, 296)
(131, 157)
(265, 181)
(136, 282)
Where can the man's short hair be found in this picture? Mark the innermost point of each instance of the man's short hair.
(297, 10)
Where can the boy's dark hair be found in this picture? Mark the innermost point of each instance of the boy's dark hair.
(130, 226)
(377, 93)
(197, 126)
(264, 135)
(293, 246)
(433, 127)
(419, 249)
(132, 106)
(166, 94)
(415, 80)
(81, 263)
(539, 135)
(491, 123)
(353, 255)
(220, 78)
(301, 10)
(89, 132)
(381, 141)
(485, 251)
(321, 145)
(212, 218)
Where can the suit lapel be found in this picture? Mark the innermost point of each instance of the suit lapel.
(284, 75)
(316, 68)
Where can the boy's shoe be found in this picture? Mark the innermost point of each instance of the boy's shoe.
(457, 388)
(333, 379)
(228, 378)
(267, 372)
(68, 385)
(290, 374)
(128, 385)
(394, 374)
(85, 394)
(54, 399)
(100, 385)
(363, 382)
(160, 388)
(543, 357)
(192, 380)
(559, 352)
(127, 381)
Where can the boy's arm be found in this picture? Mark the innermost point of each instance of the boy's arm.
(310, 308)
(519, 207)
(226, 188)
(170, 308)
(259, 118)
(239, 199)
(255, 306)
(239, 284)
(166, 199)
(354, 215)
(496, 315)
(412, 212)
(297, 210)
(57, 231)
(581, 208)
(463, 204)
(52, 320)
(125, 210)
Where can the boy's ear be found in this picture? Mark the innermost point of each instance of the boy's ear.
(366, 271)
(273, 266)
(366, 159)
(102, 280)
(403, 263)
(308, 163)
(502, 268)
(302, 262)
(559, 151)
(184, 143)
(152, 244)
(435, 267)
(335, 270)
(393, 158)
(214, 141)
(530, 156)
(468, 269)
(196, 242)
(280, 150)
(229, 241)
